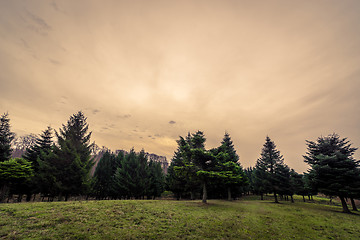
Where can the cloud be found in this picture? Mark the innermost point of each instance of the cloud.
(37, 24)
(25, 44)
(286, 72)
(55, 62)
(54, 5)
(95, 111)
(38, 21)
(124, 116)
(64, 100)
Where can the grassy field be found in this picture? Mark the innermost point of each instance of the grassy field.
(165, 219)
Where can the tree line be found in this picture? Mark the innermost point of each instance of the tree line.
(61, 168)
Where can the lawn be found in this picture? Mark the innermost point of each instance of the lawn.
(170, 219)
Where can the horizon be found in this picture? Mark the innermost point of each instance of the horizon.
(145, 73)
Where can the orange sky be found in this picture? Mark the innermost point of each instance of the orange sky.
(145, 72)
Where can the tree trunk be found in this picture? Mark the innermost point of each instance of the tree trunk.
(28, 197)
(4, 193)
(303, 198)
(353, 204)
(292, 199)
(192, 195)
(262, 196)
(229, 193)
(276, 200)
(204, 198)
(344, 205)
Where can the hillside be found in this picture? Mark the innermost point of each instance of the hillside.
(162, 219)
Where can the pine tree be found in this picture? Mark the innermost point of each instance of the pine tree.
(269, 167)
(202, 162)
(6, 137)
(334, 170)
(261, 180)
(249, 187)
(175, 179)
(182, 178)
(283, 178)
(34, 154)
(48, 175)
(42, 143)
(297, 184)
(13, 172)
(156, 180)
(127, 177)
(73, 161)
(104, 173)
(228, 167)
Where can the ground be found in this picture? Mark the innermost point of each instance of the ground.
(248, 218)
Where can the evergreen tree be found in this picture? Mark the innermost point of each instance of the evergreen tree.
(73, 161)
(175, 182)
(334, 170)
(12, 173)
(194, 166)
(6, 137)
(156, 180)
(249, 187)
(48, 175)
(228, 167)
(34, 154)
(310, 184)
(182, 178)
(261, 180)
(42, 143)
(283, 178)
(297, 184)
(269, 168)
(137, 177)
(143, 174)
(127, 177)
(104, 173)
(227, 147)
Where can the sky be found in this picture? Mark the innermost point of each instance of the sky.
(146, 72)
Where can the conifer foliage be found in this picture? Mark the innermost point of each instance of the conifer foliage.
(6, 137)
(72, 159)
(128, 176)
(194, 168)
(13, 172)
(271, 173)
(334, 171)
(61, 168)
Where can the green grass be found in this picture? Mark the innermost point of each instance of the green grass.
(167, 219)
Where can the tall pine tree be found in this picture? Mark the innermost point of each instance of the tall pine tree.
(334, 171)
(104, 173)
(228, 167)
(269, 168)
(73, 160)
(6, 137)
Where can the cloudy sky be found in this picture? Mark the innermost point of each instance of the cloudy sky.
(146, 72)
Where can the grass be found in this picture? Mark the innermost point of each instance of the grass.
(167, 219)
